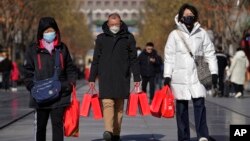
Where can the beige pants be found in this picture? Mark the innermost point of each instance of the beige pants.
(112, 114)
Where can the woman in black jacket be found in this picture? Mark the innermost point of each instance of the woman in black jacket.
(39, 62)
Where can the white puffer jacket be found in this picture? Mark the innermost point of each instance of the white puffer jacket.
(180, 67)
(238, 68)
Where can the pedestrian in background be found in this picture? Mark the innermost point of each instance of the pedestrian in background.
(14, 76)
(180, 71)
(5, 69)
(138, 51)
(39, 64)
(237, 71)
(149, 63)
(245, 44)
(115, 56)
(222, 64)
(159, 72)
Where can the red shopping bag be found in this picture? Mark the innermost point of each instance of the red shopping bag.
(155, 106)
(86, 101)
(96, 107)
(71, 117)
(86, 73)
(132, 104)
(168, 106)
(143, 104)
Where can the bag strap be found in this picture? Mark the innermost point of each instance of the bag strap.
(57, 59)
(57, 63)
(92, 90)
(56, 66)
(74, 92)
(185, 43)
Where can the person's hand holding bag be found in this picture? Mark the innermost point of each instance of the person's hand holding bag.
(137, 87)
(167, 81)
(92, 84)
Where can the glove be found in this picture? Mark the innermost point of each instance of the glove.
(167, 81)
(214, 79)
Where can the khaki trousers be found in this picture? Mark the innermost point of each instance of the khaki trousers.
(112, 115)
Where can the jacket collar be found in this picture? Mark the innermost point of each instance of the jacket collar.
(182, 26)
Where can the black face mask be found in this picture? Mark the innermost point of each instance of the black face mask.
(188, 20)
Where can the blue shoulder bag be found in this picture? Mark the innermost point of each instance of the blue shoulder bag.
(48, 90)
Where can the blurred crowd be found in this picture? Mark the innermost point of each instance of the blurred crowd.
(234, 71)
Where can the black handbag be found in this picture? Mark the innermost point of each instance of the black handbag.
(48, 90)
(203, 72)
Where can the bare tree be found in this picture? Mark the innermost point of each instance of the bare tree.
(19, 21)
(227, 19)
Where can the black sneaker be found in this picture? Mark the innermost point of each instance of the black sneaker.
(116, 138)
(107, 136)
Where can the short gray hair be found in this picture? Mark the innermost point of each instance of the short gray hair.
(114, 16)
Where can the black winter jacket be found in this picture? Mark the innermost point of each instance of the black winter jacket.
(39, 62)
(148, 68)
(5, 65)
(115, 56)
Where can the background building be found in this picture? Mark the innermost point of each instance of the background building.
(97, 12)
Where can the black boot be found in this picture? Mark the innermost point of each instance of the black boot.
(116, 138)
(107, 136)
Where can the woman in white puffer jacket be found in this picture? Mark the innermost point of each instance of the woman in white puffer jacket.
(180, 70)
(237, 71)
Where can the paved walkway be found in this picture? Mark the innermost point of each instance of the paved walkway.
(221, 112)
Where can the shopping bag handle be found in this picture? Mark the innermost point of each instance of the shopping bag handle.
(136, 88)
(92, 90)
(73, 91)
(166, 89)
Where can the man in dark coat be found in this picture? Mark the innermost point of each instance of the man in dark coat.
(39, 65)
(149, 65)
(222, 64)
(5, 69)
(115, 56)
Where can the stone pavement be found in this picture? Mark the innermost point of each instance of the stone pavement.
(221, 112)
(13, 106)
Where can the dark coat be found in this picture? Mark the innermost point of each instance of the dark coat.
(147, 68)
(115, 56)
(5, 65)
(40, 62)
(222, 63)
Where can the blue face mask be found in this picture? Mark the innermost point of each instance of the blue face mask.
(49, 37)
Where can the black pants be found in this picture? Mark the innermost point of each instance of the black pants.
(183, 119)
(238, 88)
(41, 120)
(6, 80)
(221, 84)
(151, 81)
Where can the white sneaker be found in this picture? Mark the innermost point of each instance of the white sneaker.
(14, 89)
(239, 94)
(203, 139)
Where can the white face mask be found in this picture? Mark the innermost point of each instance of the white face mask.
(114, 29)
